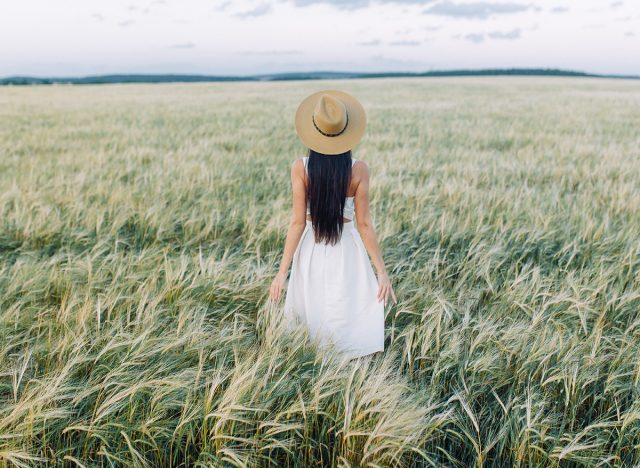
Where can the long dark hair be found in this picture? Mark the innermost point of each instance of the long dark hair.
(329, 178)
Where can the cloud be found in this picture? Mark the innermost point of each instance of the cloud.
(186, 45)
(355, 4)
(260, 10)
(404, 43)
(480, 37)
(514, 34)
(373, 42)
(345, 5)
(616, 4)
(124, 24)
(630, 34)
(475, 37)
(98, 16)
(404, 31)
(480, 10)
(272, 52)
(559, 9)
(223, 6)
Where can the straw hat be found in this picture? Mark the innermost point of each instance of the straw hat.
(330, 122)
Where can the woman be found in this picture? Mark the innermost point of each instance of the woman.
(332, 288)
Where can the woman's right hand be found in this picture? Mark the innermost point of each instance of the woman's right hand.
(385, 288)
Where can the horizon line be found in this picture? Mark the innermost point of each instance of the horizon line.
(300, 75)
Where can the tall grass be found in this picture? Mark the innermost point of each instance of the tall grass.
(141, 226)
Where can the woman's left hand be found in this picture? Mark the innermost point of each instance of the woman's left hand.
(385, 289)
(276, 286)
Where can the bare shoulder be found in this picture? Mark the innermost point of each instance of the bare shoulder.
(297, 167)
(360, 164)
(360, 169)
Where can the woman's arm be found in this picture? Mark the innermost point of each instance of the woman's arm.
(296, 227)
(368, 234)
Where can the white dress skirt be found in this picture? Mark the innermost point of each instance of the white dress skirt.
(332, 291)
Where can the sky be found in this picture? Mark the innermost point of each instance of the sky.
(245, 37)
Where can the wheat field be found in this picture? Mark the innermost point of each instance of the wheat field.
(141, 226)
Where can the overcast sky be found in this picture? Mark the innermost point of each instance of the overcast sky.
(85, 37)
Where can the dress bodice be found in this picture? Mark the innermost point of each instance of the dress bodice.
(349, 206)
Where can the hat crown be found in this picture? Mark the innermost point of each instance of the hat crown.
(330, 121)
(330, 115)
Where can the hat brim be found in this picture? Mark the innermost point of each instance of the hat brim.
(320, 143)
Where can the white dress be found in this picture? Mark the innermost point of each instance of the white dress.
(332, 290)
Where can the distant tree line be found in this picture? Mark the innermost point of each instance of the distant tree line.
(319, 75)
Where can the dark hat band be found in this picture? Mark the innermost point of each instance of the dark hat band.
(331, 134)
